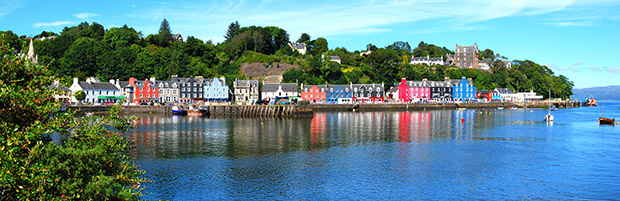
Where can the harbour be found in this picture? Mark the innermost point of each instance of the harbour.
(433, 154)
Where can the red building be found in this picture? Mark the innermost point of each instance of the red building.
(314, 93)
(486, 95)
(144, 91)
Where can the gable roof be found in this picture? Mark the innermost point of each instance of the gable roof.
(58, 86)
(286, 87)
(97, 86)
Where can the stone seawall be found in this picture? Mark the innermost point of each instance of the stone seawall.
(98, 109)
(404, 106)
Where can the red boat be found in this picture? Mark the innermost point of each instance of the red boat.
(603, 120)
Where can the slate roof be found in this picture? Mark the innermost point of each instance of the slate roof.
(58, 86)
(439, 84)
(286, 87)
(504, 90)
(324, 87)
(417, 84)
(245, 83)
(97, 86)
(209, 81)
(298, 45)
(393, 89)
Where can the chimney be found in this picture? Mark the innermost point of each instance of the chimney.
(446, 79)
(424, 79)
(174, 78)
(132, 81)
(111, 81)
(152, 80)
(75, 80)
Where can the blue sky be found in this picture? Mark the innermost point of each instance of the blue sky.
(578, 39)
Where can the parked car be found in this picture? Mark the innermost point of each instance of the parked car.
(261, 102)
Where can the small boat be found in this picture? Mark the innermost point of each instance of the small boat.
(461, 108)
(193, 111)
(176, 110)
(500, 108)
(549, 117)
(603, 120)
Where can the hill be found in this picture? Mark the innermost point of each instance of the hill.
(609, 92)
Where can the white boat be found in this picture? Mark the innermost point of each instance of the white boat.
(549, 117)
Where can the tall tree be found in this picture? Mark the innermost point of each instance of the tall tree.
(304, 38)
(233, 30)
(319, 46)
(165, 35)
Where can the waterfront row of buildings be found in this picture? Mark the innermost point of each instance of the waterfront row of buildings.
(177, 90)
(189, 90)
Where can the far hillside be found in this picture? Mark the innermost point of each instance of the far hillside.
(255, 52)
(608, 92)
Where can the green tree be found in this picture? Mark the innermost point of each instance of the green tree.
(319, 46)
(82, 56)
(121, 37)
(165, 35)
(304, 38)
(233, 30)
(80, 95)
(88, 164)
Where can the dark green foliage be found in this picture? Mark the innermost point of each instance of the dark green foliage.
(304, 38)
(119, 53)
(165, 35)
(431, 50)
(88, 164)
(233, 30)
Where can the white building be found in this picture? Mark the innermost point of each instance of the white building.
(484, 66)
(427, 60)
(97, 92)
(272, 92)
(527, 96)
(300, 47)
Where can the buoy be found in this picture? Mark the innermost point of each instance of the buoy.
(617, 122)
(462, 120)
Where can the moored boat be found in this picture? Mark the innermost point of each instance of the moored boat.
(462, 108)
(603, 120)
(194, 111)
(176, 110)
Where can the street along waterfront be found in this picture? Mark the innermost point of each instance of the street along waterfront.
(436, 154)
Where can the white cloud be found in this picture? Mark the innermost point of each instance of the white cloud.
(594, 68)
(52, 24)
(85, 15)
(323, 19)
(613, 70)
(9, 6)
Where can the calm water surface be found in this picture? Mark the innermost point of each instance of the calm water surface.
(492, 155)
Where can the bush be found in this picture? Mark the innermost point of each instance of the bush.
(89, 163)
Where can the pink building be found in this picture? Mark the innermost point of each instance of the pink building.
(404, 92)
(420, 89)
(413, 90)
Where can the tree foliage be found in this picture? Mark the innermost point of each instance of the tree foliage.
(120, 53)
(88, 163)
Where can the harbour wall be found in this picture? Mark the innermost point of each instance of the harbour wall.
(304, 109)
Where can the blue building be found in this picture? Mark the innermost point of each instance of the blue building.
(216, 90)
(339, 94)
(463, 90)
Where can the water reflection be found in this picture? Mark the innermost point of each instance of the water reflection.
(430, 155)
(181, 136)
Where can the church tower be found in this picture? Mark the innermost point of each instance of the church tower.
(31, 55)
